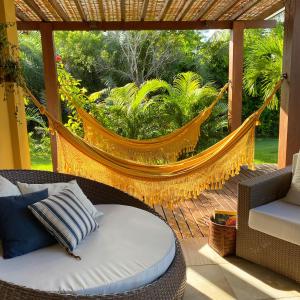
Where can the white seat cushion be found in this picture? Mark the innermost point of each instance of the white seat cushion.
(279, 219)
(131, 249)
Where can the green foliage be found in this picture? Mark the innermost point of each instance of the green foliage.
(263, 62)
(213, 58)
(31, 62)
(40, 147)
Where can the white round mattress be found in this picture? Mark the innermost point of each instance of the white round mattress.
(131, 248)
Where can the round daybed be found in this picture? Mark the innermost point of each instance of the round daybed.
(170, 285)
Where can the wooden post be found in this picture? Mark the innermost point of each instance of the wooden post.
(289, 126)
(50, 79)
(14, 148)
(235, 91)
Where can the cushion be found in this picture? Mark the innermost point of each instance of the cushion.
(132, 249)
(7, 188)
(64, 216)
(279, 219)
(54, 188)
(20, 231)
(293, 195)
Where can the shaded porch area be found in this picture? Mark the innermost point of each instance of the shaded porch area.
(190, 219)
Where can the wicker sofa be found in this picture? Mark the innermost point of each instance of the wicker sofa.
(266, 250)
(169, 286)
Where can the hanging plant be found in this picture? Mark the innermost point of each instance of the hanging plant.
(10, 68)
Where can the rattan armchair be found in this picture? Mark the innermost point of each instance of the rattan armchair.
(276, 254)
(170, 286)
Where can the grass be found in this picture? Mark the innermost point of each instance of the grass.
(265, 152)
(41, 164)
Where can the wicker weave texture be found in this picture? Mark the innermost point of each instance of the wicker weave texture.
(137, 10)
(170, 286)
(278, 255)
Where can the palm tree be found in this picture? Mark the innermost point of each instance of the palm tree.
(263, 64)
(127, 110)
(186, 97)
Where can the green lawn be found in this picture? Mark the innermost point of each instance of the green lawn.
(41, 164)
(265, 152)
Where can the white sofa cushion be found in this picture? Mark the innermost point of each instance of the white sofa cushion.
(7, 188)
(132, 248)
(279, 219)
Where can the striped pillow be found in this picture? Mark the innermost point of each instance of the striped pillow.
(64, 216)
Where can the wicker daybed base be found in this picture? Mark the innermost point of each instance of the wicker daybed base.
(170, 286)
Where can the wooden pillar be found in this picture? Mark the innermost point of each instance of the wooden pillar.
(289, 126)
(50, 79)
(14, 148)
(235, 91)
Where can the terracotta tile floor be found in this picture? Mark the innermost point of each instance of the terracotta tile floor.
(210, 276)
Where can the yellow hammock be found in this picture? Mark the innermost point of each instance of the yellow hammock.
(163, 149)
(159, 184)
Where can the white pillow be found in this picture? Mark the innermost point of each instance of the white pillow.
(7, 188)
(293, 195)
(57, 187)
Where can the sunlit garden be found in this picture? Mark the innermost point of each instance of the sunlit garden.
(147, 84)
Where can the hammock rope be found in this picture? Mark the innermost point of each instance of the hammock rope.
(159, 184)
(164, 149)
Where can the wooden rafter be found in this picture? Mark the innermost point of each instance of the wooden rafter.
(123, 11)
(101, 10)
(80, 10)
(36, 9)
(243, 9)
(147, 25)
(228, 7)
(21, 15)
(144, 10)
(204, 9)
(184, 10)
(270, 11)
(60, 11)
(165, 10)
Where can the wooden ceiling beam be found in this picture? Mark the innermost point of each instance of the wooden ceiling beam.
(228, 7)
(36, 9)
(146, 25)
(101, 10)
(184, 10)
(123, 12)
(165, 10)
(204, 9)
(144, 10)
(243, 9)
(270, 11)
(80, 10)
(21, 15)
(59, 10)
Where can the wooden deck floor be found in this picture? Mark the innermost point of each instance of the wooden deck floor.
(191, 218)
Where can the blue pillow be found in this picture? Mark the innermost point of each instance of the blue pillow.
(20, 232)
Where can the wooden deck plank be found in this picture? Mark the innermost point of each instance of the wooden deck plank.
(191, 218)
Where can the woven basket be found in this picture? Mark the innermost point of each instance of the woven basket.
(222, 238)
